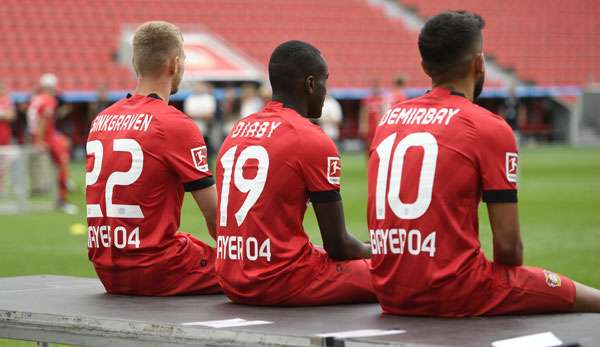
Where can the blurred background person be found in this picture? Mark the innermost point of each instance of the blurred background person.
(331, 118)
(397, 94)
(42, 114)
(514, 111)
(250, 101)
(231, 109)
(201, 106)
(101, 102)
(371, 109)
(7, 116)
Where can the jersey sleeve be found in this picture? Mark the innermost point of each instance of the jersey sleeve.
(185, 152)
(321, 167)
(498, 159)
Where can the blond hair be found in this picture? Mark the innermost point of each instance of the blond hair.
(154, 43)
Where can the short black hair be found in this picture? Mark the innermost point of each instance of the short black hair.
(447, 41)
(291, 62)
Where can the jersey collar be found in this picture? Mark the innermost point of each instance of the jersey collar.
(443, 91)
(151, 95)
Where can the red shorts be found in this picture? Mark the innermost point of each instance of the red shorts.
(532, 290)
(496, 290)
(189, 271)
(332, 282)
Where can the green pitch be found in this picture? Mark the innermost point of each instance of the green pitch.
(559, 197)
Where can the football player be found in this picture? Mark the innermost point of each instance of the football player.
(270, 166)
(42, 113)
(433, 159)
(143, 155)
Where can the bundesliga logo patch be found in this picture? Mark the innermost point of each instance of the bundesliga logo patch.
(552, 279)
(512, 163)
(334, 170)
(200, 157)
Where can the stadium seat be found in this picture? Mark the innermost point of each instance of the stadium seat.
(363, 46)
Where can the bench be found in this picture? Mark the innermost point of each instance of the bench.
(72, 310)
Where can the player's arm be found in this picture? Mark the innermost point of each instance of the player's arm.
(321, 167)
(498, 162)
(338, 243)
(206, 199)
(507, 244)
(185, 154)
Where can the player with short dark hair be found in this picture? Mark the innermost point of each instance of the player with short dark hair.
(433, 159)
(269, 167)
(143, 155)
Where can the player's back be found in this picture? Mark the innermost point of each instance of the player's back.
(265, 171)
(425, 184)
(134, 177)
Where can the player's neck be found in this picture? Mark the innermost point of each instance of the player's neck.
(146, 86)
(461, 86)
(291, 103)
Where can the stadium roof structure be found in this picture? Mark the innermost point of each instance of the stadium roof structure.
(208, 58)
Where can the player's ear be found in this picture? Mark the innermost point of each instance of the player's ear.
(173, 65)
(309, 84)
(425, 69)
(479, 64)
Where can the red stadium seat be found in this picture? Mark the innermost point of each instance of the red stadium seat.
(555, 45)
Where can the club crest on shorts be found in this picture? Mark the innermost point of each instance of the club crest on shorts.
(200, 157)
(334, 170)
(512, 163)
(552, 280)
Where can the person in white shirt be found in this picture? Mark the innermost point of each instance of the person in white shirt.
(331, 117)
(201, 106)
(250, 100)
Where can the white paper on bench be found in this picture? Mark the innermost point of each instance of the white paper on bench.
(228, 323)
(546, 339)
(361, 333)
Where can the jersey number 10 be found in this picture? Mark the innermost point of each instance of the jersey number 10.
(384, 151)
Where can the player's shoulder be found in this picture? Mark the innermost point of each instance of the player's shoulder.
(308, 130)
(484, 119)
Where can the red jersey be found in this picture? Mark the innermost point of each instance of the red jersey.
(432, 160)
(142, 156)
(5, 131)
(268, 168)
(42, 106)
(374, 106)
